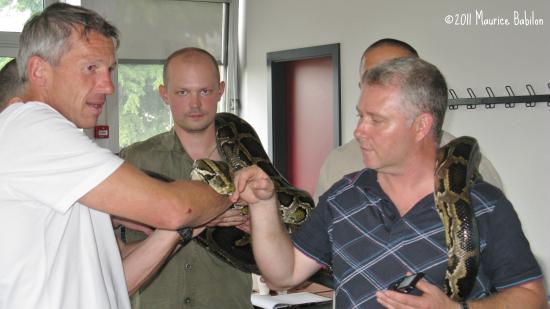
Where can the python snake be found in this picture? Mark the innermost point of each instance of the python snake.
(240, 146)
(456, 172)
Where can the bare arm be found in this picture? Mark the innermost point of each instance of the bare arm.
(143, 259)
(117, 222)
(130, 193)
(529, 295)
(280, 263)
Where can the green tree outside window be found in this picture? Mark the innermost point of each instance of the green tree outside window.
(4, 60)
(34, 6)
(142, 113)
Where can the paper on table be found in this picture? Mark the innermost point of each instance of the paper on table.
(281, 301)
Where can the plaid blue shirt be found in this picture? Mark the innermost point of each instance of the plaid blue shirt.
(357, 230)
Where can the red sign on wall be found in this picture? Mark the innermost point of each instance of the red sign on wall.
(101, 131)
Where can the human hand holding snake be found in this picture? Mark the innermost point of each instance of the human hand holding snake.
(231, 217)
(253, 186)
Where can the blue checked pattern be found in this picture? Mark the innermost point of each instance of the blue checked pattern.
(369, 245)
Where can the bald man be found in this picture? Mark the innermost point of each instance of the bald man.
(193, 277)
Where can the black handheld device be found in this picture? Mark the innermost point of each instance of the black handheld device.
(406, 284)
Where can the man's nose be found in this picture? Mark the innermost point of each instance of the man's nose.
(360, 130)
(194, 100)
(106, 84)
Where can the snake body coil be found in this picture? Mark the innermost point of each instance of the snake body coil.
(240, 146)
(456, 172)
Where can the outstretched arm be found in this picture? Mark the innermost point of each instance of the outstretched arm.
(279, 262)
(528, 295)
(130, 193)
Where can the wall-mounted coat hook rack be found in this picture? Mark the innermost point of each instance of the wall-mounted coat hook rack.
(490, 102)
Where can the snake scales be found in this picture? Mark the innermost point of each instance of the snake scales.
(240, 146)
(456, 171)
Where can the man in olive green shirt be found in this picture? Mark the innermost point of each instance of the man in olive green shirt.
(193, 277)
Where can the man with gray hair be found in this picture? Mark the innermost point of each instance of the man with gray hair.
(347, 158)
(376, 225)
(10, 84)
(58, 188)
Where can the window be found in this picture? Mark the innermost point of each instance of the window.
(152, 30)
(4, 60)
(142, 113)
(14, 13)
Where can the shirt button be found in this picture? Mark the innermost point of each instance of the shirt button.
(188, 266)
(187, 300)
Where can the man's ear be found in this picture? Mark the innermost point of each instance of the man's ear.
(163, 92)
(423, 125)
(38, 71)
(221, 89)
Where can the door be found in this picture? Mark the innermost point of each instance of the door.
(305, 111)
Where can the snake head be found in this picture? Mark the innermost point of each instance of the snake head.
(215, 173)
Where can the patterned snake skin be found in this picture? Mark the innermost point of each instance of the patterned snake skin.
(456, 172)
(240, 146)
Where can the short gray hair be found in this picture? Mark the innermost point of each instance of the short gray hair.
(422, 87)
(47, 34)
(10, 83)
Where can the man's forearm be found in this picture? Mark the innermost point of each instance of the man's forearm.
(530, 295)
(143, 259)
(271, 243)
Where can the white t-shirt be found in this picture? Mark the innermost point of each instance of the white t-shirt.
(55, 252)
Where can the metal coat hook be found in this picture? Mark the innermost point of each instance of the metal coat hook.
(531, 92)
(473, 96)
(510, 93)
(491, 94)
(548, 103)
(454, 96)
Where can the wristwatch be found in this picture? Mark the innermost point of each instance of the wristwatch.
(186, 234)
(464, 305)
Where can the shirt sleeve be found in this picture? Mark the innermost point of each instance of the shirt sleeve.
(52, 161)
(312, 237)
(507, 258)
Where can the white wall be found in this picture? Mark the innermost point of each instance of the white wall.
(517, 141)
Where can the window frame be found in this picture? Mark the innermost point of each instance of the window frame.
(9, 41)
